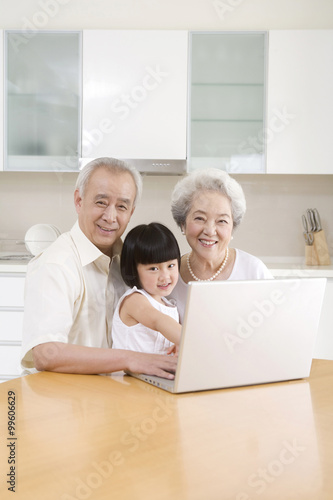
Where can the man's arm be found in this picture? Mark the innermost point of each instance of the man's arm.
(69, 358)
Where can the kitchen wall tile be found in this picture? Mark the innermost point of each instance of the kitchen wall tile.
(271, 227)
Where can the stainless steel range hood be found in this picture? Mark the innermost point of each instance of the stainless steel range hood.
(151, 167)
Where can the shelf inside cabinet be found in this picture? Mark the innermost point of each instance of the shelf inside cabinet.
(43, 102)
(227, 101)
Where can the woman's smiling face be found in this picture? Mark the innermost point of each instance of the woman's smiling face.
(209, 224)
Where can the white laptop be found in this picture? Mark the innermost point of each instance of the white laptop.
(238, 333)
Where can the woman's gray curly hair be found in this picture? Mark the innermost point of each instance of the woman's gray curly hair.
(210, 179)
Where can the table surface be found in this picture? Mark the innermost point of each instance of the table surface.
(115, 437)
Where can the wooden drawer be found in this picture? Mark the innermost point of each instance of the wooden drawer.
(11, 326)
(12, 290)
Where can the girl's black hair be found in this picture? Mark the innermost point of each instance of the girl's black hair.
(147, 244)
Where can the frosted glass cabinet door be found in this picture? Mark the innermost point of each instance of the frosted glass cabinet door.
(134, 94)
(42, 100)
(227, 105)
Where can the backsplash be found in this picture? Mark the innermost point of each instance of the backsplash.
(271, 227)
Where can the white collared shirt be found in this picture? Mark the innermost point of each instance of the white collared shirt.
(71, 291)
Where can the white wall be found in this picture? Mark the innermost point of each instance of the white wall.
(272, 225)
(168, 14)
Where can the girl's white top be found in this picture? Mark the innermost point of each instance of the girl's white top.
(139, 337)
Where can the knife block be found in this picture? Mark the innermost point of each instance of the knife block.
(311, 258)
(321, 249)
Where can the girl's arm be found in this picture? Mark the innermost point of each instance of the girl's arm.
(137, 309)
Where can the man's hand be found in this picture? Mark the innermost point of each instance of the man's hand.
(152, 364)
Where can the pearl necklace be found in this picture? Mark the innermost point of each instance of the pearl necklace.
(222, 266)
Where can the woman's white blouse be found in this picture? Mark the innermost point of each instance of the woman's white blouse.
(246, 267)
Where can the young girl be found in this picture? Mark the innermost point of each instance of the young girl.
(144, 319)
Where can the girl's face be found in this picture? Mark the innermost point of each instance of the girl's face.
(159, 279)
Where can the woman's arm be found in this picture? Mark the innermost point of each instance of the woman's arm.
(138, 308)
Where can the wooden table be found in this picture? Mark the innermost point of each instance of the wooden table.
(115, 437)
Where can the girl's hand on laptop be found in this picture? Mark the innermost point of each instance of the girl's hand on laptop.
(173, 350)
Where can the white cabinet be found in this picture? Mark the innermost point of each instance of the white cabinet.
(324, 344)
(11, 318)
(135, 103)
(134, 94)
(1, 100)
(300, 102)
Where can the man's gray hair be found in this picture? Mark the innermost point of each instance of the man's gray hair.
(114, 166)
(210, 179)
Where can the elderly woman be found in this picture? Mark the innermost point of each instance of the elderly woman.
(208, 205)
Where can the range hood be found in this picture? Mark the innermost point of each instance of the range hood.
(150, 167)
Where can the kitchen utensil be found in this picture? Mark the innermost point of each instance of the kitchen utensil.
(310, 219)
(39, 237)
(309, 226)
(320, 243)
(308, 236)
(317, 219)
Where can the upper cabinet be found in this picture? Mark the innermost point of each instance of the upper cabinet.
(300, 102)
(134, 94)
(1, 99)
(227, 101)
(245, 102)
(42, 101)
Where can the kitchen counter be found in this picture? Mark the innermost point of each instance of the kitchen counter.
(295, 267)
(13, 266)
(279, 266)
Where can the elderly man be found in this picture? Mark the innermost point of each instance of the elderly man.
(73, 287)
